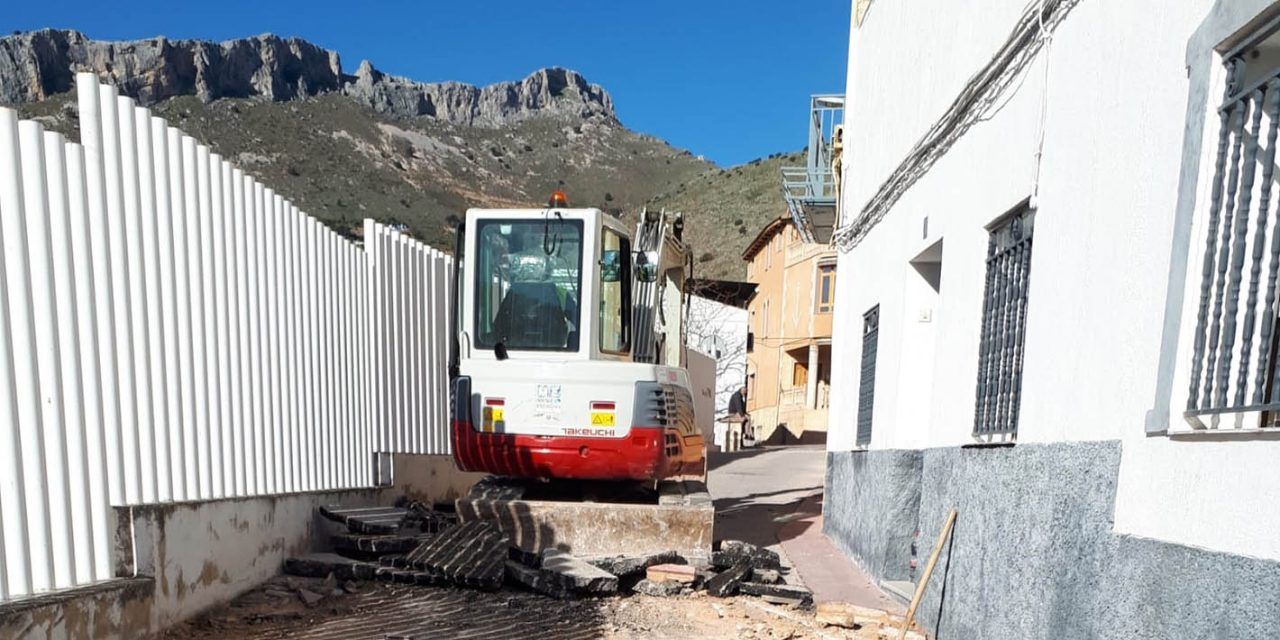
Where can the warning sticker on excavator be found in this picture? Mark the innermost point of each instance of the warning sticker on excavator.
(602, 419)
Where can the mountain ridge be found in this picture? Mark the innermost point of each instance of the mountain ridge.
(36, 65)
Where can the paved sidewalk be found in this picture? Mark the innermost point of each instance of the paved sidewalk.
(827, 571)
(772, 497)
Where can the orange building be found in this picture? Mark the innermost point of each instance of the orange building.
(788, 362)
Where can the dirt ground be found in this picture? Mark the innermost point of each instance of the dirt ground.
(756, 493)
(383, 611)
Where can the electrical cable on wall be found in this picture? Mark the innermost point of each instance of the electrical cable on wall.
(1046, 38)
(978, 99)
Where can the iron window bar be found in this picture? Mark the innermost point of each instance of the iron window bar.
(1004, 323)
(867, 380)
(1234, 347)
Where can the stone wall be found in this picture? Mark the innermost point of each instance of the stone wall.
(871, 508)
(1033, 554)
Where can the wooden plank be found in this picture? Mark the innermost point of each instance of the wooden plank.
(928, 571)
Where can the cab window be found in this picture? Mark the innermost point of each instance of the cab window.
(615, 289)
(528, 284)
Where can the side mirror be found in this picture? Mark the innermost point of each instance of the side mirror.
(610, 266)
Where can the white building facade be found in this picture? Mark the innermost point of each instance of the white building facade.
(1031, 193)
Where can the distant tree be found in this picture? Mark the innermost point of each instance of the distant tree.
(712, 330)
(608, 197)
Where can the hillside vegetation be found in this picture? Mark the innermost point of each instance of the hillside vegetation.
(726, 208)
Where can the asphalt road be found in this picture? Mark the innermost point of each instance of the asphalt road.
(757, 491)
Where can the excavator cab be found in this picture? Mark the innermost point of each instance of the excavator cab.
(568, 353)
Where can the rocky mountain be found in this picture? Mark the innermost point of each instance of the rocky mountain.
(40, 64)
(348, 146)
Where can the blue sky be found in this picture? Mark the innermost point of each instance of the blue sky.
(726, 79)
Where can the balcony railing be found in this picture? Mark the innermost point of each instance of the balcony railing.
(794, 395)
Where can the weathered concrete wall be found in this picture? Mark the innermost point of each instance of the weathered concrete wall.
(187, 557)
(1033, 553)
(114, 609)
(430, 479)
(190, 556)
(204, 553)
(874, 517)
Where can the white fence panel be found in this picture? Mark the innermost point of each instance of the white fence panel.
(171, 329)
(410, 310)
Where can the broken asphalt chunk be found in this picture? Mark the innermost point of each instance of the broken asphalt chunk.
(320, 565)
(725, 583)
(581, 576)
(536, 580)
(368, 520)
(627, 566)
(658, 589)
(473, 554)
(526, 558)
(733, 552)
(777, 593)
(379, 544)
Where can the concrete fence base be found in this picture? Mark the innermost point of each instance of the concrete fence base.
(181, 559)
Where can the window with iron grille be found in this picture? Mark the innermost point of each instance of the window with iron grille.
(867, 383)
(1233, 363)
(1004, 323)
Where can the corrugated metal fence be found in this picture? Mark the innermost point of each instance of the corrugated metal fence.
(411, 289)
(171, 329)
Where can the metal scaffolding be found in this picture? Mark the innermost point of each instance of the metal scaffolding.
(812, 190)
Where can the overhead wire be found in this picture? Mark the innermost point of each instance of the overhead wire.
(979, 97)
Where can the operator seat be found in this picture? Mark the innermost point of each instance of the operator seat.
(530, 316)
